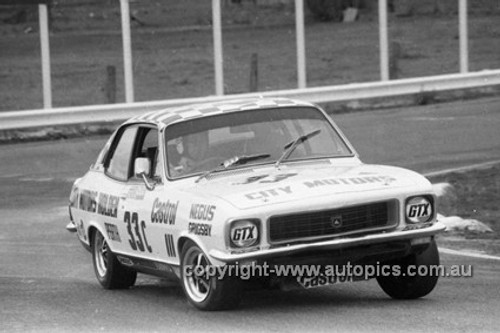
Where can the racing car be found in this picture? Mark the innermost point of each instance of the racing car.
(260, 182)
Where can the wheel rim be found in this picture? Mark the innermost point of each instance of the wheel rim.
(101, 251)
(197, 287)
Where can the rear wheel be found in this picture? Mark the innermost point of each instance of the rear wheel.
(108, 270)
(403, 286)
(206, 292)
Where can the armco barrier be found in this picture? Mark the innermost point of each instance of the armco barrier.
(118, 112)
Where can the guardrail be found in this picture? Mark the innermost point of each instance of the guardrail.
(119, 112)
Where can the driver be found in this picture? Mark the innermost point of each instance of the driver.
(192, 150)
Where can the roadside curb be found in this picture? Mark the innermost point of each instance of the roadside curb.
(56, 132)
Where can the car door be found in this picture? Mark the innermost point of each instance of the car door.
(145, 222)
(162, 212)
(112, 203)
(139, 197)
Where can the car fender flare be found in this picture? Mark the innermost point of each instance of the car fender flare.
(184, 237)
(90, 229)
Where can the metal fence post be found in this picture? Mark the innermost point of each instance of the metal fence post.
(384, 40)
(44, 42)
(127, 51)
(301, 48)
(218, 59)
(464, 47)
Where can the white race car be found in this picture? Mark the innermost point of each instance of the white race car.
(261, 183)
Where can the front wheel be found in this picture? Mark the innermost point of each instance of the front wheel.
(108, 270)
(207, 293)
(423, 279)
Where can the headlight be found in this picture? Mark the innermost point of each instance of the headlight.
(419, 209)
(244, 233)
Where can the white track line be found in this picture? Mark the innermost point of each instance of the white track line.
(464, 168)
(468, 254)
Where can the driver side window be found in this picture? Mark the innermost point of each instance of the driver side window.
(131, 143)
(119, 164)
(148, 147)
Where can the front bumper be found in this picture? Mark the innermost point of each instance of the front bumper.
(334, 244)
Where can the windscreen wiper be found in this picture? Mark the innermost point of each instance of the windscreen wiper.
(290, 147)
(237, 160)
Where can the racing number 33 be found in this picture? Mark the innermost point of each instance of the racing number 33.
(138, 244)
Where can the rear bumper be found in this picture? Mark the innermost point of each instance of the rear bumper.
(411, 237)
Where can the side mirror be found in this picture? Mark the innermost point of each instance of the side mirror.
(142, 165)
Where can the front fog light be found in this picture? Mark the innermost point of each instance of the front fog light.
(419, 209)
(244, 233)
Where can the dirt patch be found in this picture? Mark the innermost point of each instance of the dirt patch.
(476, 196)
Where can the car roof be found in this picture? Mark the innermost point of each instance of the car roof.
(167, 116)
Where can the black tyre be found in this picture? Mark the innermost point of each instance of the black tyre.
(402, 286)
(108, 270)
(206, 293)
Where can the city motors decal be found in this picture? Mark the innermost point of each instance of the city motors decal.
(274, 192)
(348, 181)
(285, 190)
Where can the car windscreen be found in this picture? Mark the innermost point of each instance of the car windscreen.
(202, 144)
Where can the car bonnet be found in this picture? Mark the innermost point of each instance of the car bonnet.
(249, 188)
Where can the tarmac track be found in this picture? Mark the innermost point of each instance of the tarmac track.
(47, 281)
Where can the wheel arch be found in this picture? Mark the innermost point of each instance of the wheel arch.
(198, 242)
(185, 238)
(91, 232)
(181, 241)
(92, 228)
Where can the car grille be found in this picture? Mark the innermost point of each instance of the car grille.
(329, 222)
